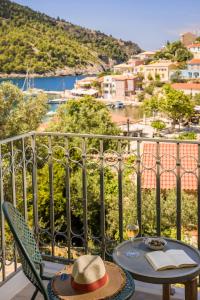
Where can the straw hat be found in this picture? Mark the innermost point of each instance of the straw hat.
(89, 279)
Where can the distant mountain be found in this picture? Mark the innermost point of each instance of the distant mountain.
(30, 39)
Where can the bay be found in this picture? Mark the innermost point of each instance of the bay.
(47, 83)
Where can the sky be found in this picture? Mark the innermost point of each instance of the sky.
(148, 23)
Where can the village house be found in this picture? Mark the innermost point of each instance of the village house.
(135, 62)
(161, 69)
(84, 87)
(139, 69)
(145, 55)
(193, 69)
(85, 83)
(118, 86)
(195, 49)
(187, 88)
(123, 68)
(130, 67)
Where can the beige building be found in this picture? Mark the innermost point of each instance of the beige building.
(84, 87)
(128, 68)
(118, 86)
(146, 55)
(124, 68)
(161, 69)
(85, 83)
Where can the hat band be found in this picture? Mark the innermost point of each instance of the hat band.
(90, 287)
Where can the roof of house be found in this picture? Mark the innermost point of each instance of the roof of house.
(194, 61)
(188, 155)
(89, 92)
(119, 77)
(186, 86)
(161, 63)
(194, 45)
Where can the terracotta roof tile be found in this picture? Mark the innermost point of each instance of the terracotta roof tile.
(194, 45)
(188, 155)
(186, 86)
(194, 61)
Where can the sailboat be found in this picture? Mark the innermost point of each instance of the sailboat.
(28, 85)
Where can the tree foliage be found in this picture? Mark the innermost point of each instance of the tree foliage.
(18, 112)
(187, 136)
(196, 99)
(175, 104)
(174, 51)
(84, 115)
(158, 125)
(152, 104)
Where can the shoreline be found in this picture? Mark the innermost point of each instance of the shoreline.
(45, 75)
(57, 73)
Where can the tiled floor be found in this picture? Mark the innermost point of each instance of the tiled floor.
(143, 291)
(147, 294)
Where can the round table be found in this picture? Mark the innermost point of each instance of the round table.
(143, 271)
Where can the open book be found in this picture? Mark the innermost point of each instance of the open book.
(171, 259)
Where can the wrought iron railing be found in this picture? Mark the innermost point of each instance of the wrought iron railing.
(79, 191)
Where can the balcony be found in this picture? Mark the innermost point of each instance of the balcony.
(79, 191)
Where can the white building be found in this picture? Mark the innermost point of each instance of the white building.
(195, 49)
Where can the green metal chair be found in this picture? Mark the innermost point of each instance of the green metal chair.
(31, 258)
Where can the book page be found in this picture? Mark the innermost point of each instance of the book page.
(160, 260)
(180, 258)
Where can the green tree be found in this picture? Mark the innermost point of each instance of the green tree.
(175, 104)
(149, 89)
(187, 136)
(174, 51)
(152, 104)
(158, 125)
(149, 77)
(19, 113)
(176, 77)
(196, 99)
(84, 115)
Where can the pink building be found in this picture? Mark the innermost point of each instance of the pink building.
(118, 86)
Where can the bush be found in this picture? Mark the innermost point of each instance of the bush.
(187, 136)
(158, 125)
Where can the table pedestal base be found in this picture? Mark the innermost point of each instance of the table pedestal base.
(166, 291)
(190, 290)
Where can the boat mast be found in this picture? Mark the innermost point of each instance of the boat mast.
(27, 81)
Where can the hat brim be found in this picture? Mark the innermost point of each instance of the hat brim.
(64, 290)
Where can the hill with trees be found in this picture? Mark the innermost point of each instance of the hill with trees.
(48, 45)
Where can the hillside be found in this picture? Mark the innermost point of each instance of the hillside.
(47, 45)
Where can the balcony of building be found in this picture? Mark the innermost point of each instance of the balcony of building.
(78, 192)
